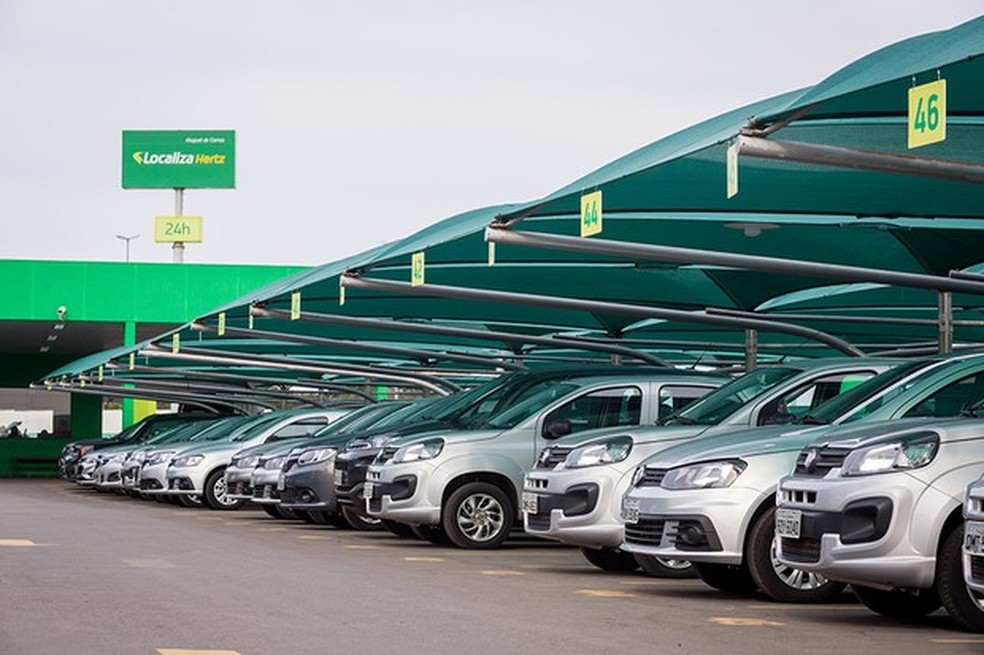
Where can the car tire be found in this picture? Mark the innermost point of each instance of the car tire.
(215, 496)
(359, 521)
(964, 605)
(729, 578)
(477, 515)
(664, 567)
(190, 500)
(898, 604)
(610, 559)
(399, 529)
(780, 582)
(434, 534)
(278, 512)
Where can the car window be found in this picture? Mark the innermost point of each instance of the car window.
(793, 406)
(519, 412)
(951, 399)
(303, 428)
(599, 409)
(673, 398)
(725, 401)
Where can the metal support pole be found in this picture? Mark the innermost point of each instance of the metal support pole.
(946, 321)
(751, 350)
(178, 247)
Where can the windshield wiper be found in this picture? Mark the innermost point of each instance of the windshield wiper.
(809, 419)
(676, 420)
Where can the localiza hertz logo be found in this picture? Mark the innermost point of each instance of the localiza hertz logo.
(145, 158)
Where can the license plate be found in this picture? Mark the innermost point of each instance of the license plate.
(281, 482)
(339, 478)
(788, 523)
(367, 490)
(974, 537)
(531, 503)
(630, 510)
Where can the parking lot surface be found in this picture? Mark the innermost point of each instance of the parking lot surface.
(83, 572)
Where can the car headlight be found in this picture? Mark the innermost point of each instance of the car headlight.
(159, 457)
(274, 463)
(316, 455)
(419, 451)
(139, 456)
(601, 452)
(115, 458)
(247, 462)
(188, 460)
(638, 475)
(903, 454)
(705, 475)
(373, 442)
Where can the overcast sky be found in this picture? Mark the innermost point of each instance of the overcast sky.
(361, 122)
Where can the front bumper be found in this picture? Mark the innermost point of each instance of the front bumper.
(351, 469)
(859, 530)
(109, 476)
(185, 480)
(575, 506)
(702, 525)
(265, 486)
(309, 487)
(973, 557)
(152, 478)
(239, 483)
(400, 492)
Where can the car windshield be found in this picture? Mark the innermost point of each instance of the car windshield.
(359, 418)
(451, 408)
(843, 403)
(725, 401)
(519, 412)
(255, 427)
(183, 431)
(406, 414)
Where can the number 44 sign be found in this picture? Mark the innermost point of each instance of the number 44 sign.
(927, 114)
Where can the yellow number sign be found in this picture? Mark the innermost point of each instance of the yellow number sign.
(591, 214)
(927, 114)
(417, 269)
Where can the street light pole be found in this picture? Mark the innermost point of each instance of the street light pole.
(128, 239)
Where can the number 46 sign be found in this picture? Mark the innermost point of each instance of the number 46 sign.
(927, 114)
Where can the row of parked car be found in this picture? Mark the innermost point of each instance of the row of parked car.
(796, 479)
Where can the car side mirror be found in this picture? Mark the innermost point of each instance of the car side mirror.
(557, 428)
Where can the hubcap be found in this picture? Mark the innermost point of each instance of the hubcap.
(480, 517)
(219, 491)
(795, 578)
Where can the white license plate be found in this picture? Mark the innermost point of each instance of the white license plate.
(630, 510)
(339, 478)
(531, 503)
(974, 537)
(367, 490)
(281, 483)
(788, 523)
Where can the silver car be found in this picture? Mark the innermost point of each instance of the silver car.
(713, 499)
(199, 470)
(880, 507)
(973, 547)
(575, 491)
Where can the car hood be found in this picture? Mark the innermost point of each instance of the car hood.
(740, 443)
(640, 434)
(863, 435)
(273, 448)
(214, 447)
(449, 436)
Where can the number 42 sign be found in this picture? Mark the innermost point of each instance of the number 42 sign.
(927, 114)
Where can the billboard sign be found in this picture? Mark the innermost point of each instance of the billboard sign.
(179, 159)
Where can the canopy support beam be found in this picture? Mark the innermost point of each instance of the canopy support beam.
(595, 307)
(690, 256)
(751, 350)
(859, 159)
(508, 338)
(204, 389)
(946, 321)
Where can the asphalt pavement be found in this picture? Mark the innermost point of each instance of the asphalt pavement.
(83, 572)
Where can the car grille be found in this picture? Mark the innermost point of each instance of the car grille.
(240, 489)
(817, 462)
(652, 478)
(554, 456)
(647, 532)
(804, 549)
(266, 491)
(539, 522)
(386, 454)
(977, 568)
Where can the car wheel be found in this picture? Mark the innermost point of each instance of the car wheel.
(215, 492)
(610, 559)
(963, 604)
(359, 521)
(434, 534)
(190, 500)
(898, 604)
(399, 529)
(477, 515)
(778, 581)
(729, 578)
(665, 567)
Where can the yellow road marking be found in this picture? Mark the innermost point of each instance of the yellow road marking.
(736, 621)
(16, 543)
(807, 606)
(503, 573)
(423, 559)
(271, 529)
(361, 547)
(604, 593)
(182, 651)
(314, 537)
(957, 641)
